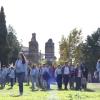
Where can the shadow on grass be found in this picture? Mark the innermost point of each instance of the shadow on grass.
(9, 88)
(89, 90)
(15, 95)
(1, 88)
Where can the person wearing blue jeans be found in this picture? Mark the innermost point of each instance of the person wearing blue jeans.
(21, 71)
(21, 77)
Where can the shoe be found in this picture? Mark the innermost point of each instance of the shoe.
(21, 94)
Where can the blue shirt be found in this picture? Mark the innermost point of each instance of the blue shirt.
(20, 67)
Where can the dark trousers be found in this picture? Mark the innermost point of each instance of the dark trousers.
(11, 82)
(21, 77)
(71, 82)
(66, 80)
(78, 83)
(59, 81)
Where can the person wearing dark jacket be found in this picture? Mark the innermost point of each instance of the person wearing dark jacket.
(72, 76)
(66, 73)
(84, 76)
(78, 76)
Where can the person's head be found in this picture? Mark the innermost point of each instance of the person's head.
(66, 63)
(58, 66)
(70, 64)
(22, 57)
(33, 66)
(77, 65)
(44, 65)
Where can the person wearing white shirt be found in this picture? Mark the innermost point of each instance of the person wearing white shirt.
(58, 76)
(66, 73)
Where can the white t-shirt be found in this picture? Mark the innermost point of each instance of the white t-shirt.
(66, 70)
(79, 73)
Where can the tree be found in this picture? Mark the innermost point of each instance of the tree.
(63, 50)
(4, 47)
(70, 46)
(91, 50)
(74, 39)
(14, 45)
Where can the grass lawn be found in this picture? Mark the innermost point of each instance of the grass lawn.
(93, 93)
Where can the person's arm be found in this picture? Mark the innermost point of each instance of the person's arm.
(97, 66)
(55, 73)
(25, 65)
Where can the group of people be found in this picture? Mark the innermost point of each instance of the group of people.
(43, 75)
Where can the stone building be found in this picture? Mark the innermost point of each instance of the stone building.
(49, 51)
(33, 50)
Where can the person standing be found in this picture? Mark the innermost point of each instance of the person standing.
(33, 76)
(84, 76)
(3, 74)
(98, 69)
(72, 76)
(46, 77)
(21, 71)
(78, 76)
(58, 76)
(66, 73)
(12, 76)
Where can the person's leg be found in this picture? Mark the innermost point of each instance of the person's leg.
(67, 80)
(70, 82)
(48, 83)
(76, 80)
(11, 81)
(21, 80)
(65, 86)
(60, 85)
(79, 83)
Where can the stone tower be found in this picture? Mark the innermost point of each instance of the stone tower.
(49, 51)
(34, 49)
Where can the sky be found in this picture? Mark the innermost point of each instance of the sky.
(51, 19)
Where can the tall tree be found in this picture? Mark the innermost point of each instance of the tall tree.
(14, 44)
(74, 39)
(70, 46)
(4, 47)
(63, 50)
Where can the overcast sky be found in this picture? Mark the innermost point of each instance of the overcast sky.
(51, 18)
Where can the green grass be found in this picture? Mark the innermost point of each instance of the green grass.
(93, 93)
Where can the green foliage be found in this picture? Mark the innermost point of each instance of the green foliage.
(63, 50)
(14, 45)
(9, 45)
(4, 47)
(70, 47)
(91, 50)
